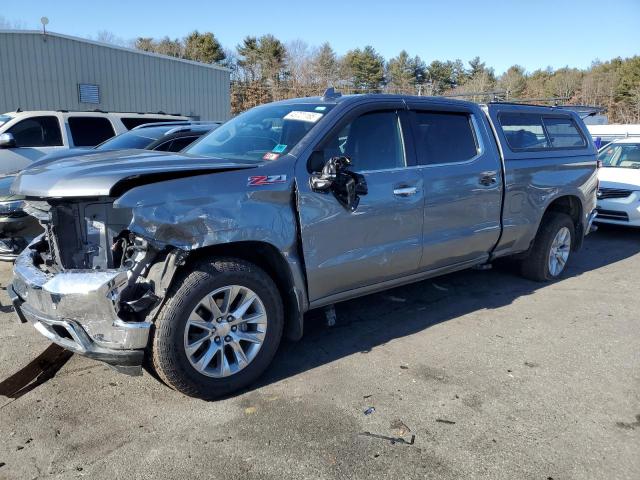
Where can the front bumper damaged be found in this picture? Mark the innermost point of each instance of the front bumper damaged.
(77, 309)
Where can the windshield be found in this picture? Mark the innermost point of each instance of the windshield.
(623, 155)
(262, 133)
(133, 138)
(5, 119)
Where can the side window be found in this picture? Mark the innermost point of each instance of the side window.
(444, 137)
(175, 145)
(90, 131)
(180, 143)
(37, 132)
(563, 132)
(373, 141)
(523, 131)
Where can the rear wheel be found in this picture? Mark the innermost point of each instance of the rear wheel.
(219, 329)
(551, 248)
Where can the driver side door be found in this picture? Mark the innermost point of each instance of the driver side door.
(380, 240)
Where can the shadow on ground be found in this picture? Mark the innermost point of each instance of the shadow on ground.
(371, 321)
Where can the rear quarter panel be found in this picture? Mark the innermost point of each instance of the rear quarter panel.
(534, 179)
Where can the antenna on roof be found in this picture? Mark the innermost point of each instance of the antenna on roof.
(44, 21)
(330, 93)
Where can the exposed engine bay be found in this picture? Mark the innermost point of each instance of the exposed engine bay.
(91, 235)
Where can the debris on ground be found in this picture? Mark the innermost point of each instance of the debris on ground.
(444, 420)
(399, 428)
(629, 425)
(250, 410)
(2, 464)
(330, 315)
(392, 440)
(530, 364)
(439, 287)
(404, 367)
(370, 410)
(393, 298)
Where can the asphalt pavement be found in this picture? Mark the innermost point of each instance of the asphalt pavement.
(479, 374)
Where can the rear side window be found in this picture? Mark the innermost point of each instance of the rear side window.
(37, 132)
(90, 131)
(523, 131)
(563, 133)
(444, 137)
(132, 122)
(532, 131)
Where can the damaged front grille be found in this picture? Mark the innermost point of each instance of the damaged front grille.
(81, 234)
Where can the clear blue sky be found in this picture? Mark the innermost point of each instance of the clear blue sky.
(532, 33)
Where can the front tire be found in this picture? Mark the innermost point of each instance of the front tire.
(218, 330)
(551, 248)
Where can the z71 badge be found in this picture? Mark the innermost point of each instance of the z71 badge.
(259, 180)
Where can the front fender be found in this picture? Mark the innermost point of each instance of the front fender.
(220, 208)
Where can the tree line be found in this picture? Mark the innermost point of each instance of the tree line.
(265, 69)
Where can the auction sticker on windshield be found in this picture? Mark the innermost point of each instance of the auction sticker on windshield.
(311, 117)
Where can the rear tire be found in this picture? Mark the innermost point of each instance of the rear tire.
(551, 248)
(189, 315)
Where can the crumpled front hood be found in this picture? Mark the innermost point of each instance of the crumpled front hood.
(616, 177)
(97, 174)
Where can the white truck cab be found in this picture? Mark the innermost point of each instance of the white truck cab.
(25, 136)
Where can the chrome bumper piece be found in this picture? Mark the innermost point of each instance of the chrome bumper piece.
(77, 309)
(590, 226)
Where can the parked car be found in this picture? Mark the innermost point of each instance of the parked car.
(198, 263)
(25, 136)
(18, 229)
(619, 191)
(604, 134)
(163, 136)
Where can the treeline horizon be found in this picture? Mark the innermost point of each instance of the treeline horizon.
(265, 69)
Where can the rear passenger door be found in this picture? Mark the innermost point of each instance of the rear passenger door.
(462, 184)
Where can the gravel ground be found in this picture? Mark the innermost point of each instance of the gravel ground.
(492, 376)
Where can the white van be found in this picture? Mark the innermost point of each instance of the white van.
(27, 136)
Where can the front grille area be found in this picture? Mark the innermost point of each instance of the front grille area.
(612, 215)
(613, 193)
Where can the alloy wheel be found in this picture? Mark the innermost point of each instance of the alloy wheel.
(225, 331)
(559, 252)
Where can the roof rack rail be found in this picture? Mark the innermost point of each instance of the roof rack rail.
(97, 110)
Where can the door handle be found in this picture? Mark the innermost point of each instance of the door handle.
(488, 178)
(404, 191)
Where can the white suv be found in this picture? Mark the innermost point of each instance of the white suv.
(26, 136)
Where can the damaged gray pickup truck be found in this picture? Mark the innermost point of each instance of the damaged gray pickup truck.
(194, 265)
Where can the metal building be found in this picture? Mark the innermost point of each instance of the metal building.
(52, 72)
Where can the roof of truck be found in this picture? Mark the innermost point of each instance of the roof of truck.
(371, 96)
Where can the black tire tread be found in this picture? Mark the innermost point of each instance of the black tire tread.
(161, 359)
(534, 266)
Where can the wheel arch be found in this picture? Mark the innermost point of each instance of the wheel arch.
(270, 259)
(572, 206)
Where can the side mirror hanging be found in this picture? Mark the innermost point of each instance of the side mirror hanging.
(345, 185)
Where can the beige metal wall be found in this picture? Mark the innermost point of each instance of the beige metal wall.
(40, 72)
